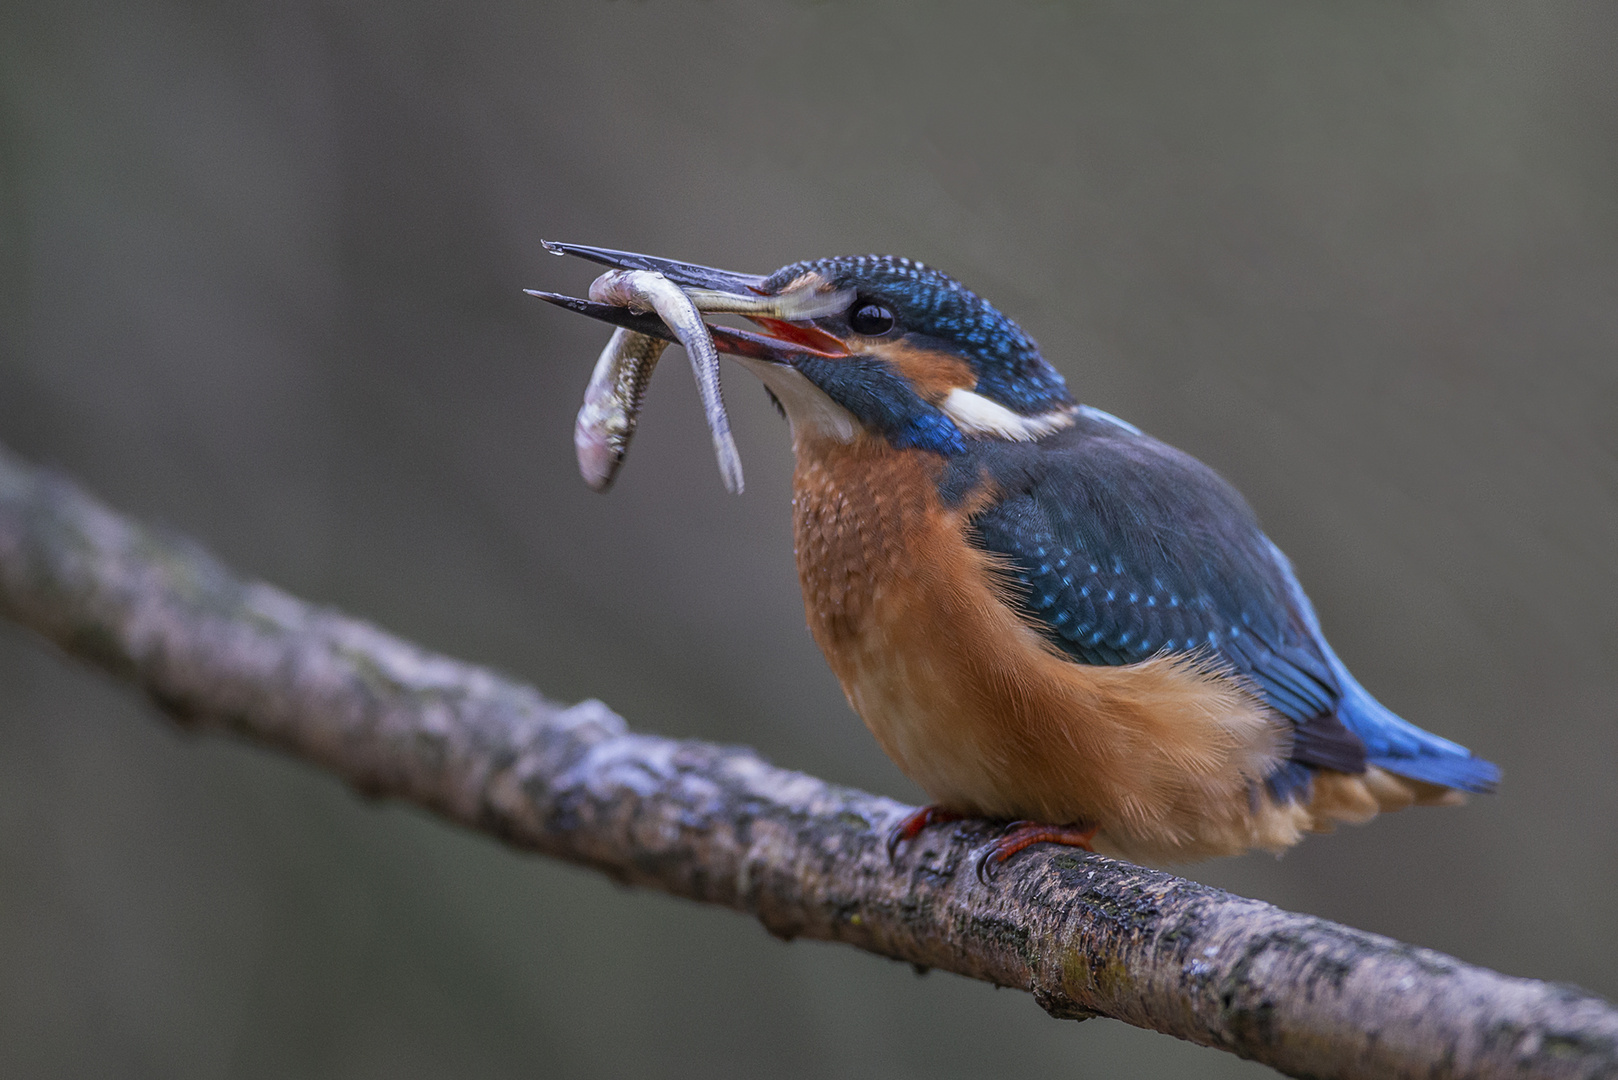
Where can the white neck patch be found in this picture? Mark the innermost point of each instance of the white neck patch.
(975, 414)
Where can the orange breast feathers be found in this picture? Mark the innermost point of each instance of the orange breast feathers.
(978, 708)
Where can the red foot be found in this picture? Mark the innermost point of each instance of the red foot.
(911, 824)
(1021, 834)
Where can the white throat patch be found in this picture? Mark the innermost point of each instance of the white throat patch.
(811, 413)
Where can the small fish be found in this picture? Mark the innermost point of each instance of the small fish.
(612, 403)
(620, 377)
(613, 399)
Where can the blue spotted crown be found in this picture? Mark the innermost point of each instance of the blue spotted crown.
(931, 303)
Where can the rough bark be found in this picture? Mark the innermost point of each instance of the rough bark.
(1084, 934)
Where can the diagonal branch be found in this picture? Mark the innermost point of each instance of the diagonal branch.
(1086, 935)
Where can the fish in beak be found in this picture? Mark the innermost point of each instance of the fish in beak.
(652, 301)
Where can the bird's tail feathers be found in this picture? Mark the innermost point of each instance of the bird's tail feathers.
(1391, 741)
(1402, 748)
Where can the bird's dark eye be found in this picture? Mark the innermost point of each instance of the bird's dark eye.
(871, 320)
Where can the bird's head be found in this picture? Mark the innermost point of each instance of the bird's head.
(870, 343)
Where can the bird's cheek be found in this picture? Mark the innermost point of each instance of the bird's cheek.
(931, 374)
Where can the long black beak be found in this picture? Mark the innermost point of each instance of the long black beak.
(725, 338)
(644, 322)
(714, 291)
(684, 274)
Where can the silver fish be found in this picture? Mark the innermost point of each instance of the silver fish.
(619, 371)
(612, 403)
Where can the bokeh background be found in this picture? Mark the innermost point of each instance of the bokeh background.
(260, 272)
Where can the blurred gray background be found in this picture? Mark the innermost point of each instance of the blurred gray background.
(260, 273)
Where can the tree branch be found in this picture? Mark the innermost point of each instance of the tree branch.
(1086, 935)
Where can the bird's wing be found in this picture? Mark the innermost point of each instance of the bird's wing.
(1122, 548)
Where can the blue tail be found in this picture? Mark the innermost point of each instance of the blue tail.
(1391, 742)
(1401, 747)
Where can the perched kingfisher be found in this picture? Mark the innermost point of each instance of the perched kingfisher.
(1044, 615)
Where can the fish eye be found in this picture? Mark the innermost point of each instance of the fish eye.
(869, 319)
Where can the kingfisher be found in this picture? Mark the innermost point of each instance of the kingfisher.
(1044, 615)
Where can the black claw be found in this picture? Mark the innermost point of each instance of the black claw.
(982, 864)
(895, 838)
(989, 859)
(911, 826)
